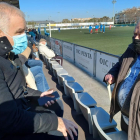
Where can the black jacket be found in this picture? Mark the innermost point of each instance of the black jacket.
(120, 71)
(14, 117)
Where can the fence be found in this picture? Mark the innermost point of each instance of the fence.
(94, 62)
(123, 25)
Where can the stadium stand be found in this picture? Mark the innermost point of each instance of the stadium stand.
(97, 117)
(83, 102)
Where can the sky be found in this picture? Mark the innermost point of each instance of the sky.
(57, 10)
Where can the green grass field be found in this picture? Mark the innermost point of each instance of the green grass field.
(114, 41)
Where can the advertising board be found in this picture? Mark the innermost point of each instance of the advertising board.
(84, 58)
(52, 43)
(104, 63)
(68, 51)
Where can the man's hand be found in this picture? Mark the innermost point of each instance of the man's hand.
(49, 103)
(109, 78)
(37, 58)
(66, 126)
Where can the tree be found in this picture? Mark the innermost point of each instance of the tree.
(130, 15)
(75, 21)
(31, 23)
(65, 21)
(105, 18)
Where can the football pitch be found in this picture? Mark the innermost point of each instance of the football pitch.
(114, 41)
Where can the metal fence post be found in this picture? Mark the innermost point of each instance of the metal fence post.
(74, 53)
(94, 63)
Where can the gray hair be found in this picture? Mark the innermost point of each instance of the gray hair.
(42, 40)
(7, 10)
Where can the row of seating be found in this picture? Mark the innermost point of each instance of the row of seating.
(97, 117)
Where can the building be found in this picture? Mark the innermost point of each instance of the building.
(81, 19)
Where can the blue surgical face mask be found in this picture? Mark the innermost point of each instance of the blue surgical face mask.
(20, 43)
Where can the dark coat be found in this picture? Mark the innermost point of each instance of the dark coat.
(14, 117)
(120, 71)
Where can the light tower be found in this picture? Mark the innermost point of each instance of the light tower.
(114, 1)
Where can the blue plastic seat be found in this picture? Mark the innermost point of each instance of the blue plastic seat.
(101, 114)
(55, 68)
(63, 78)
(117, 135)
(75, 86)
(86, 99)
(52, 63)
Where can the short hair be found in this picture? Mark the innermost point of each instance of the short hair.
(6, 10)
(42, 39)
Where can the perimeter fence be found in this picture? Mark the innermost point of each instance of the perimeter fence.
(94, 62)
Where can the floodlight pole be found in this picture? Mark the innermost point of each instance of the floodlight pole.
(114, 1)
(87, 14)
(58, 14)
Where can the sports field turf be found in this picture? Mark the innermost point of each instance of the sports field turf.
(114, 41)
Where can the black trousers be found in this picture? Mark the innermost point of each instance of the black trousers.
(40, 136)
(124, 126)
(57, 108)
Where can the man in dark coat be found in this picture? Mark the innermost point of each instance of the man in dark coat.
(20, 116)
(126, 94)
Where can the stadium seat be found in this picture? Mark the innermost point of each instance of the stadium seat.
(118, 135)
(39, 32)
(45, 32)
(44, 58)
(86, 99)
(52, 63)
(29, 77)
(102, 116)
(71, 89)
(62, 78)
(55, 68)
(61, 72)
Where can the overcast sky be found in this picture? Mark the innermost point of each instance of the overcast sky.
(60, 9)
